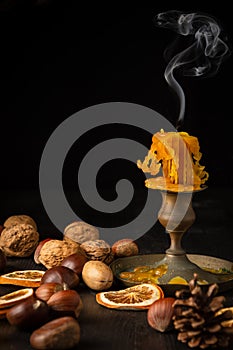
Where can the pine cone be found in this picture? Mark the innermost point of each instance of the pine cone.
(198, 317)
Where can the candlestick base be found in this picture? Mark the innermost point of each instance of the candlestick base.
(177, 215)
(222, 270)
(181, 266)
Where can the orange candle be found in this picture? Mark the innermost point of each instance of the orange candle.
(174, 157)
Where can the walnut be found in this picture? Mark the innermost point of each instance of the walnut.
(109, 258)
(19, 240)
(80, 231)
(98, 250)
(54, 251)
(20, 219)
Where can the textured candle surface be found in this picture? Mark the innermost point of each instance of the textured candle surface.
(174, 159)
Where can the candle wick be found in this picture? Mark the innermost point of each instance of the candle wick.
(179, 125)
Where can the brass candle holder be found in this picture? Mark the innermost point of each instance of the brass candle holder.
(177, 215)
(174, 163)
(178, 155)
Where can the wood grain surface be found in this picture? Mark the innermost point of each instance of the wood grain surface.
(103, 328)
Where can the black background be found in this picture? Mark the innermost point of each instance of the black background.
(58, 57)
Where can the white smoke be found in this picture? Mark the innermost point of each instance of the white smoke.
(202, 58)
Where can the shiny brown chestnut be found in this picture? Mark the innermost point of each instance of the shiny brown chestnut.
(29, 314)
(160, 313)
(61, 274)
(75, 262)
(61, 333)
(46, 290)
(66, 302)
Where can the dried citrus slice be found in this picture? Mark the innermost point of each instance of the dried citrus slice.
(13, 298)
(24, 278)
(137, 297)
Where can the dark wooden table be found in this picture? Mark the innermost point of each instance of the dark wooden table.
(102, 328)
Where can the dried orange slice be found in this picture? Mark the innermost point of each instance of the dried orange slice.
(24, 278)
(13, 298)
(137, 297)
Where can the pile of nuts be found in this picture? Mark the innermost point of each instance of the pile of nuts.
(51, 314)
(82, 238)
(19, 237)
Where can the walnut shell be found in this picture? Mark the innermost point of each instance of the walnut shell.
(19, 240)
(20, 219)
(96, 250)
(80, 231)
(54, 251)
(109, 258)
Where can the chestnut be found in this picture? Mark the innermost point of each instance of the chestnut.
(61, 333)
(61, 274)
(75, 262)
(160, 313)
(28, 314)
(2, 260)
(66, 302)
(125, 247)
(46, 290)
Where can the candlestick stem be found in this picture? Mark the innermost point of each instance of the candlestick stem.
(177, 216)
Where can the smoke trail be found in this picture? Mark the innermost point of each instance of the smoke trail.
(202, 58)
